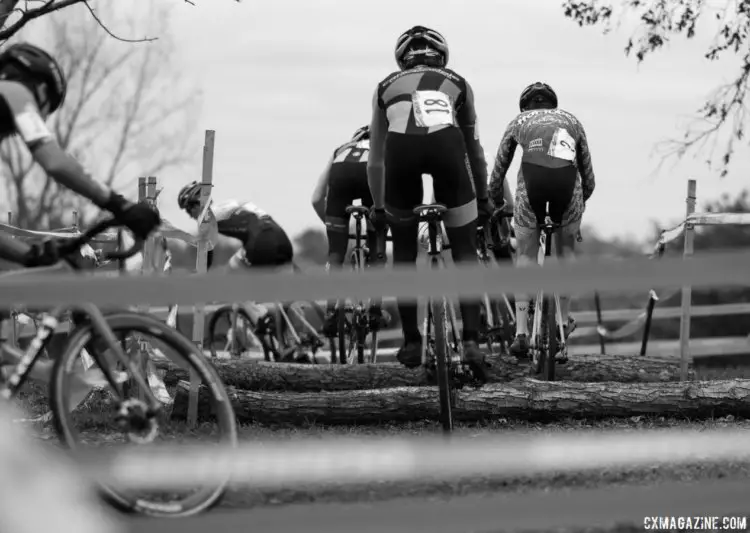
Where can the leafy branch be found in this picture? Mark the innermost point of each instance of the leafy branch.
(658, 21)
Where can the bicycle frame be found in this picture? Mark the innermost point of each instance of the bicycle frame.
(49, 322)
(435, 259)
(483, 252)
(359, 309)
(545, 241)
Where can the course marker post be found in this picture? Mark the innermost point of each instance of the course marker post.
(687, 292)
(201, 266)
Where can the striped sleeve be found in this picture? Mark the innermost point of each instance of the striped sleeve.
(503, 159)
(585, 167)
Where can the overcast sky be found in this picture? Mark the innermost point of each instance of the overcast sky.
(287, 81)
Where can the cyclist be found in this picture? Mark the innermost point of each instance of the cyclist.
(343, 181)
(424, 122)
(264, 242)
(32, 86)
(556, 168)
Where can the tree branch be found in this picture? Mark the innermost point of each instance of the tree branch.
(50, 6)
(106, 29)
(661, 19)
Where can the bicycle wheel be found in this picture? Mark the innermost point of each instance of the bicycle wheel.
(489, 330)
(550, 332)
(65, 390)
(443, 361)
(240, 336)
(508, 323)
(235, 340)
(344, 328)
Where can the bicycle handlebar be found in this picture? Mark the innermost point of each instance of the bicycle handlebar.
(70, 246)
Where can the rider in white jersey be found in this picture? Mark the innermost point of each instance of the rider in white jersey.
(264, 242)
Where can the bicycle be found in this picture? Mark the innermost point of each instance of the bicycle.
(113, 342)
(442, 351)
(547, 340)
(498, 321)
(355, 322)
(243, 332)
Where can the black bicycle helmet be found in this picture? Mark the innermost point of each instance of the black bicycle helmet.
(33, 64)
(534, 91)
(405, 58)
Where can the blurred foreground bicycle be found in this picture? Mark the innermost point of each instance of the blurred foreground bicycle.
(105, 360)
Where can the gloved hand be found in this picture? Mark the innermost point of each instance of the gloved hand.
(41, 254)
(378, 218)
(139, 218)
(485, 208)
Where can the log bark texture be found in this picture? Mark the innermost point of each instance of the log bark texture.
(261, 376)
(528, 400)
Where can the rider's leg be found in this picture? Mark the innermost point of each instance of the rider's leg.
(377, 259)
(272, 249)
(454, 187)
(529, 212)
(567, 208)
(403, 192)
(340, 195)
(239, 263)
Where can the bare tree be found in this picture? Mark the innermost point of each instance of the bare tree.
(725, 110)
(128, 113)
(27, 10)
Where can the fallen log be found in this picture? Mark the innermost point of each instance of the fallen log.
(261, 376)
(528, 400)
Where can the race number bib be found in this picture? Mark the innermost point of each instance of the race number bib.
(31, 126)
(432, 108)
(562, 146)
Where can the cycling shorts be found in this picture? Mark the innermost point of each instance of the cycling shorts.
(442, 155)
(537, 185)
(267, 246)
(347, 182)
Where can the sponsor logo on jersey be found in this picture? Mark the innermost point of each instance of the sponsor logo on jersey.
(537, 145)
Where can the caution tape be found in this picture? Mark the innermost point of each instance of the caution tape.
(634, 325)
(34, 288)
(703, 219)
(63, 233)
(272, 464)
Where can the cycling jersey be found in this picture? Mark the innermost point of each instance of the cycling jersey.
(424, 122)
(264, 242)
(551, 139)
(424, 101)
(347, 181)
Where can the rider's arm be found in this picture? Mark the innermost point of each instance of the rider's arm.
(375, 162)
(467, 122)
(585, 168)
(13, 250)
(45, 150)
(503, 159)
(171, 232)
(320, 191)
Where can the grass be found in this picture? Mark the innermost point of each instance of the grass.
(239, 497)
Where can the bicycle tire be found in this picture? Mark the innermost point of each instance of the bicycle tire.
(341, 336)
(508, 325)
(213, 322)
(442, 360)
(549, 339)
(196, 361)
(269, 353)
(360, 339)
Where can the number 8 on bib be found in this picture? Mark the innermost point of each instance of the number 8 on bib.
(432, 108)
